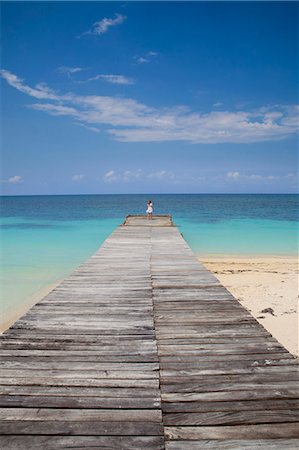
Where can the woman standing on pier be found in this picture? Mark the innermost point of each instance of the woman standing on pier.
(150, 209)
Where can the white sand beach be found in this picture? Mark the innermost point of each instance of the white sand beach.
(265, 285)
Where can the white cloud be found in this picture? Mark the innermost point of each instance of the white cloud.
(217, 104)
(131, 121)
(56, 110)
(160, 175)
(69, 70)
(110, 176)
(233, 175)
(255, 177)
(102, 26)
(15, 179)
(242, 178)
(78, 177)
(142, 59)
(94, 129)
(41, 91)
(114, 79)
(132, 175)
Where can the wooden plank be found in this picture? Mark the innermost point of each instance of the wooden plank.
(34, 414)
(47, 442)
(218, 406)
(232, 395)
(234, 444)
(79, 391)
(31, 401)
(98, 374)
(94, 428)
(231, 418)
(188, 388)
(78, 365)
(88, 382)
(259, 431)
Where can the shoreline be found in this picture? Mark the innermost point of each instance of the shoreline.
(267, 286)
(22, 309)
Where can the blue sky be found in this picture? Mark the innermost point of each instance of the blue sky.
(149, 97)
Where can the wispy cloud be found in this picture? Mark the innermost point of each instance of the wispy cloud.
(110, 176)
(78, 177)
(113, 79)
(103, 25)
(146, 58)
(142, 60)
(255, 178)
(161, 175)
(233, 175)
(41, 90)
(131, 121)
(132, 175)
(87, 127)
(69, 70)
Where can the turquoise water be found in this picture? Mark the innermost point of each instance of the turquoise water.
(43, 238)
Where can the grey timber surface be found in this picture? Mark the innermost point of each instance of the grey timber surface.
(144, 221)
(141, 347)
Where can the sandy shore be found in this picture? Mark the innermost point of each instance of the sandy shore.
(267, 287)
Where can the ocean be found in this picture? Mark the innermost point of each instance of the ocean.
(44, 238)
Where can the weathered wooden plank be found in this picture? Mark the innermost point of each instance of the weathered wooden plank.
(86, 427)
(34, 414)
(256, 431)
(233, 444)
(186, 387)
(210, 356)
(99, 374)
(223, 365)
(79, 391)
(77, 365)
(31, 401)
(218, 406)
(229, 370)
(106, 358)
(231, 395)
(47, 442)
(260, 378)
(77, 339)
(231, 417)
(88, 382)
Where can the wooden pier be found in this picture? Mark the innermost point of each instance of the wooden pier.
(142, 348)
